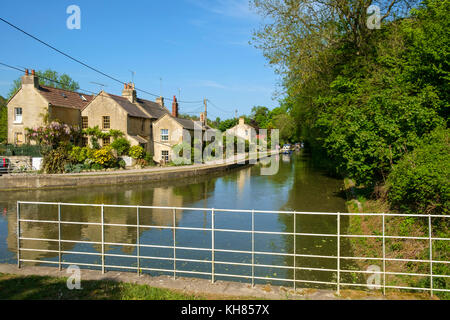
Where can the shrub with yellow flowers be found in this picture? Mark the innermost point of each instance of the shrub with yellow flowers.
(104, 157)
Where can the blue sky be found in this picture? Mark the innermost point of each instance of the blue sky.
(198, 46)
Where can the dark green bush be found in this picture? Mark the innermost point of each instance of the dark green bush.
(96, 166)
(56, 160)
(121, 145)
(121, 164)
(420, 182)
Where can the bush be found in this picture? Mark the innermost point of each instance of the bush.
(136, 152)
(79, 155)
(96, 166)
(420, 182)
(148, 157)
(121, 164)
(104, 157)
(70, 168)
(121, 145)
(56, 160)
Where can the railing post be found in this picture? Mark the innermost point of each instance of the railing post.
(18, 234)
(338, 253)
(384, 256)
(295, 250)
(431, 254)
(212, 247)
(103, 239)
(138, 242)
(59, 236)
(253, 248)
(174, 245)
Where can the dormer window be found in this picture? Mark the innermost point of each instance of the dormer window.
(17, 115)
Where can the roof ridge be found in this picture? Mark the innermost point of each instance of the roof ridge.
(60, 89)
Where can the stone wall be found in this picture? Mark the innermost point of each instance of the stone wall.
(22, 163)
(48, 181)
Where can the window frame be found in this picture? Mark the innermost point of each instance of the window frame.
(164, 137)
(16, 114)
(107, 140)
(165, 157)
(84, 124)
(104, 118)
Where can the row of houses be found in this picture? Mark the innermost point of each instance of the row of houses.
(146, 123)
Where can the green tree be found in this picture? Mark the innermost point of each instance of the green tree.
(420, 182)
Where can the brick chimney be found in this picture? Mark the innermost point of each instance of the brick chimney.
(30, 80)
(203, 118)
(160, 101)
(129, 92)
(175, 107)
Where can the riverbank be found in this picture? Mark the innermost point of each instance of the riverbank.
(361, 200)
(33, 282)
(26, 181)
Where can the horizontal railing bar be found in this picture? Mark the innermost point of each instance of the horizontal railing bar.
(394, 259)
(62, 262)
(396, 273)
(62, 222)
(240, 263)
(56, 240)
(236, 230)
(239, 251)
(394, 287)
(236, 210)
(236, 276)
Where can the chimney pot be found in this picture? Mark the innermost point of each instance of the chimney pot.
(26, 72)
(33, 72)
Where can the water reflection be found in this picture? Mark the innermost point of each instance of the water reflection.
(299, 186)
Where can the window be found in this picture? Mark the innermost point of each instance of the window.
(84, 142)
(165, 155)
(106, 141)
(143, 125)
(106, 123)
(17, 115)
(18, 138)
(164, 134)
(84, 122)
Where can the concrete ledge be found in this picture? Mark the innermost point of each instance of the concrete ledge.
(187, 285)
(49, 181)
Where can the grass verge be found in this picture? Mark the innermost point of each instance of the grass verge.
(362, 201)
(14, 287)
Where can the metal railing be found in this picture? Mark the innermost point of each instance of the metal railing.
(213, 250)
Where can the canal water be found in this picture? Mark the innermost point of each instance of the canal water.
(299, 185)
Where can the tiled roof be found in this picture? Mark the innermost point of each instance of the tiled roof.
(132, 109)
(152, 108)
(186, 123)
(139, 139)
(65, 98)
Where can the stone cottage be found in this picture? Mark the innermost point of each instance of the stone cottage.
(32, 103)
(134, 116)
